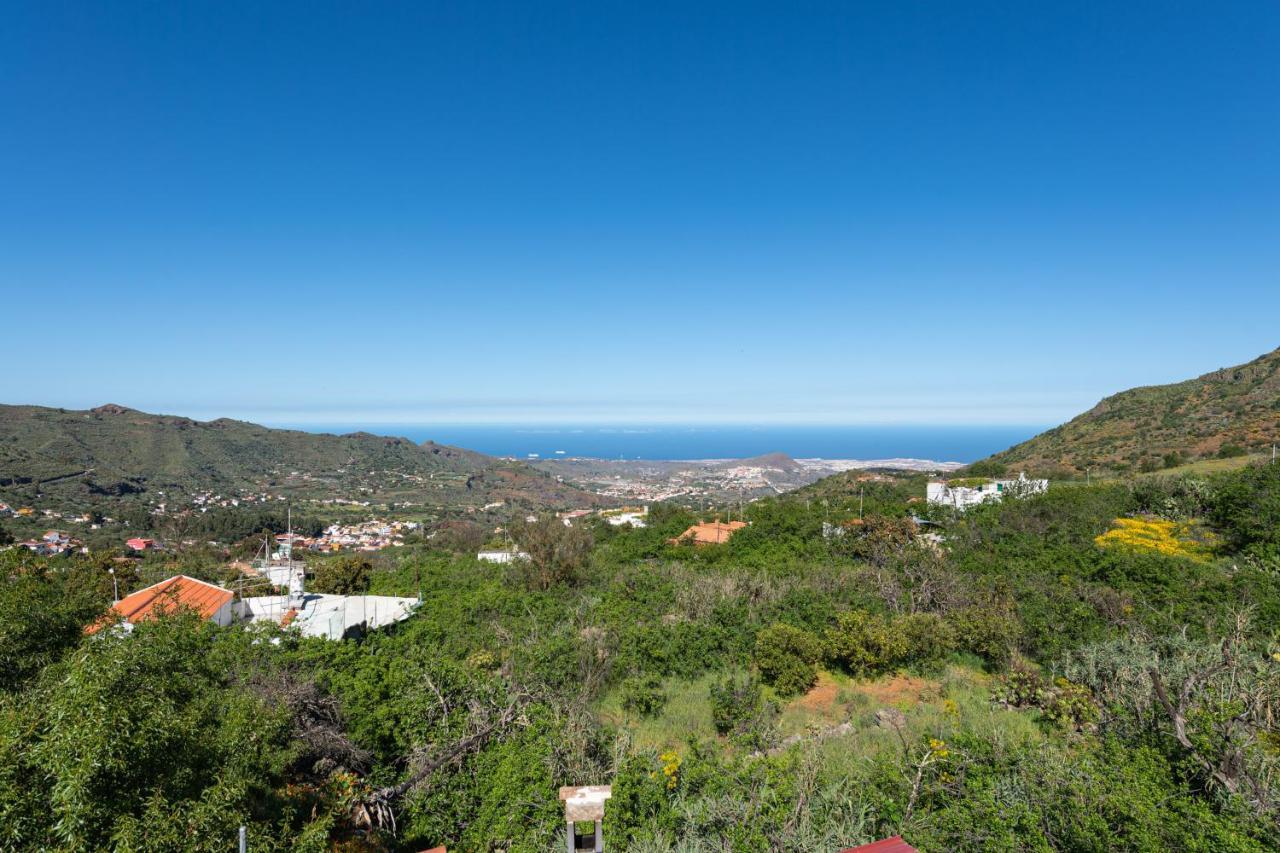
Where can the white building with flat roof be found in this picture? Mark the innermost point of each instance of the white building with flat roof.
(501, 556)
(968, 492)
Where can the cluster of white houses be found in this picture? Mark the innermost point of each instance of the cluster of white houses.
(971, 492)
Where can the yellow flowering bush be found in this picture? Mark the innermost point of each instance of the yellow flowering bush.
(671, 769)
(1171, 538)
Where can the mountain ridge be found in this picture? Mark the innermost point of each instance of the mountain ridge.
(1228, 411)
(115, 450)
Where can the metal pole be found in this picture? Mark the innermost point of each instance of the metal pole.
(572, 844)
(244, 839)
(599, 836)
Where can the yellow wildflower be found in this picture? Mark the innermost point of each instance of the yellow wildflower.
(671, 768)
(1171, 538)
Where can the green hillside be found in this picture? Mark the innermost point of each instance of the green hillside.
(1230, 412)
(115, 451)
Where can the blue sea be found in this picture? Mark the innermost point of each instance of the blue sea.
(939, 443)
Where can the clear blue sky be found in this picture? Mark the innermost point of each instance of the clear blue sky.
(847, 212)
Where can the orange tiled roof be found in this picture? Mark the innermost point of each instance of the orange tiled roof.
(168, 595)
(711, 533)
(888, 845)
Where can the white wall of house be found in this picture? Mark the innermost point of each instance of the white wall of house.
(226, 614)
(501, 556)
(941, 493)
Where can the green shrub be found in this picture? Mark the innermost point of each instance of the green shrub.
(1246, 506)
(787, 658)
(1064, 702)
(643, 695)
(989, 631)
(864, 643)
(738, 708)
(927, 638)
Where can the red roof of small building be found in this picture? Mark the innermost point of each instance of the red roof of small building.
(167, 596)
(710, 533)
(887, 845)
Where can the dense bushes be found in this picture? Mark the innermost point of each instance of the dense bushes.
(114, 740)
(787, 658)
(345, 575)
(1247, 507)
(740, 710)
(643, 695)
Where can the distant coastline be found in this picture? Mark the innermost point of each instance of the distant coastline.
(684, 442)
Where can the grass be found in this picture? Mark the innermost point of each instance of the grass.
(687, 712)
(962, 703)
(1210, 466)
(957, 698)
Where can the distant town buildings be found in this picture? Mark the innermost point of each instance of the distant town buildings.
(365, 536)
(53, 542)
(967, 492)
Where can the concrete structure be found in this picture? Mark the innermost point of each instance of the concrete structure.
(964, 493)
(584, 804)
(333, 617)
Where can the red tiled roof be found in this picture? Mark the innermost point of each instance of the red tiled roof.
(711, 533)
(887, 845)
(178, 591)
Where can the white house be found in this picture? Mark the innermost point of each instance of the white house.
(634, 517)
(501, 556)
(969, 492)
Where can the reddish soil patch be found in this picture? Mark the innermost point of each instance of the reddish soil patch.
(822, 698)
(900, 690)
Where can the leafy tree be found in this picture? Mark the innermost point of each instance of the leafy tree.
(557, 552)
(143, 734)
(344, 575)
(41, 617)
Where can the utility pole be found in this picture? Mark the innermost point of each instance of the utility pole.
(115, 587)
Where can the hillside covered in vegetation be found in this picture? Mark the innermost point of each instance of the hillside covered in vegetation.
(1093, 668)
(1229, 412)
(114, 451)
